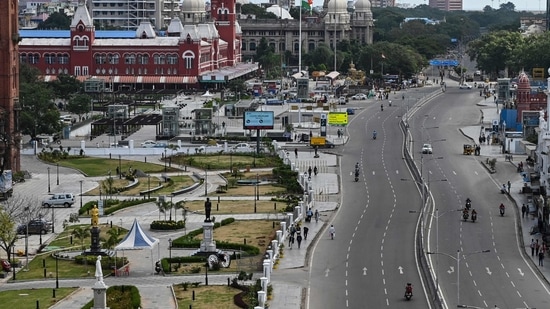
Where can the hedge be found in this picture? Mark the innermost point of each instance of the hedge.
(111, 206)
(167, 225)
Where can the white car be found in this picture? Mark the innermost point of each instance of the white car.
(242, 146)
(148, 144)
(359, 96)
(427, 149)
(465, 86)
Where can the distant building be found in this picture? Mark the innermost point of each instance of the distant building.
(446, 5)
(187, 56)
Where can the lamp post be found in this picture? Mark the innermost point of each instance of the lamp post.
(170, 254)
(81, 193)
(49, 180)
(165, 178)
(53, 219)
(56, 273)
(205, 181)
(148, 186)
(27, 240)
(119, 167)
(57, 166)
(258, 187)
(457, 259)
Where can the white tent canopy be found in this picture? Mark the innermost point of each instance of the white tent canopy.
(207, 94)
(137, 239)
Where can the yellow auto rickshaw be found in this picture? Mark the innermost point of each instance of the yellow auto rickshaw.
(468, 149)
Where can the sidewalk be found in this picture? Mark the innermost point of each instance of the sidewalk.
(507, 171)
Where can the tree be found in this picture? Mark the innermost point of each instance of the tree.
(115, 236)
(65, 86)
(38, 114)
(81, 234)
(17, 209)
(163, 207)
(79, 104)
(258, 11)
(57, 21)
(495, 51)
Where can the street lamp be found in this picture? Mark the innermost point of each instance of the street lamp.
(148, 186)
(56, 273)
(258, 187)
(81, 193)
(205, 181)
(165, 178)
(170, 250)
(57, 166)
(457, 259)
(53, 219)
(49, 180)
(119, 167)
(27, 240)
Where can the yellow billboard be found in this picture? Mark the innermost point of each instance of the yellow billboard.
(338, 118)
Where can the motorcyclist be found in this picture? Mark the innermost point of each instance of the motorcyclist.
(468, 203)
(501, 207)
(389, 102)
(382, 107)
(357, 166)
(374, 134)
(474, 214)
(408, 288)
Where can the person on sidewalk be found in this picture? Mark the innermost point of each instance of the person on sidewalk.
(316, 215)
(523, 210)
(296, 152)
(537, 247)
(331, 231)
(532, 247)
(541, 258)
(299, 239)
(306, 230)
(290, 241)
(509, 186)
(292, 230)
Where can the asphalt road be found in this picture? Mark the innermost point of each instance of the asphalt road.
(372, 256)
(500, 277)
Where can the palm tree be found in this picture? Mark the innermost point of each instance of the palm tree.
(178, 205)
(114, 238)
(163, 206)
(80, 233)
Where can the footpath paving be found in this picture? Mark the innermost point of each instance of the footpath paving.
(506, 170)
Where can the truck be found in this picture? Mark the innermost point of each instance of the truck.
(320, 141)
(6, 185)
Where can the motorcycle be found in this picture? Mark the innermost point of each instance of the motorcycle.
(501, 211)
(356, 176)
(374, 135)
(468, 204)
(474, 217)
(382, 107)
(465, 216)
(408, 291)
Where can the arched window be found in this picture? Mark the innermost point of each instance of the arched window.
(189, 58)
(296, 47)
(143, 59)
(172, 59)
(252, 45)
(23, 58)
(159, 59)
(130, 59)
(113, 58)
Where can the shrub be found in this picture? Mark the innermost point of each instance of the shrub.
(167, 225)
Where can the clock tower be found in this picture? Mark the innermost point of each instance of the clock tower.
(224, 17)
(9, 87)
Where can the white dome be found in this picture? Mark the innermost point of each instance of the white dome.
(192, 6)
(362, 5)
(243, 1)
(279, 12)
(337, 6)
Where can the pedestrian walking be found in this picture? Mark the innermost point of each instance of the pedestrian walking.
(299, 239)
(332, 231)
(537, 247)
(315, 170)
(290, 240)
(509, 185)
(296, 152)
(316, 215)
(541, 258)
(309, 171)
(523, 210)
(292, 229)
(532, 247)
(306, 230)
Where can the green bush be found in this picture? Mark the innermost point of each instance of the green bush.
(167, 225)
(110, 206)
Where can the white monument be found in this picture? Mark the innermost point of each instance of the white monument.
(99, 288)
(208, 244)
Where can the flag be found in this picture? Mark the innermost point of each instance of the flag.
(383, 57)
(306, 5)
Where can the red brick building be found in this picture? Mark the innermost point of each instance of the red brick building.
(9, 86)
(189, 56)
(526, 99)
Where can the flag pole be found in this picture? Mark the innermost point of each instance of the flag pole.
(300, 41)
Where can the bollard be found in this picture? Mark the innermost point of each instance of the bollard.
(37, 304)
(228, 281)
(273, 224)
(71, 239)
(44, 272)
(145, 159)
(111, 224)
(190, 306)
(218, 198)
(53, 292)
(217, 206)
(274, 206)
(43, 263)
(193, 296)
(245, 241)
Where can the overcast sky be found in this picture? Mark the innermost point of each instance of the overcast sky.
(469, 5)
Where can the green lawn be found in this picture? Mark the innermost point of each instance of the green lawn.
(92, 166)
(28, 298)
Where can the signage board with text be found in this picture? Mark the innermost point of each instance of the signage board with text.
(258, 120)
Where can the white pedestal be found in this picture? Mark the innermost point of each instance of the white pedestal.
(100, 295)
(208, 244)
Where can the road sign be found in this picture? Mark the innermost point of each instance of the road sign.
(444, 62)
(258, 120)
(338, 118)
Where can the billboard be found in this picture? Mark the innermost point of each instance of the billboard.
(338, 118)
(258, 120)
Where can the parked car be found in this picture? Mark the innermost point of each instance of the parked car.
(350, 111)
(59, 199)
(427, 149)
(465, 86)
(242, 146)
(342, 100)
(36, 226)
(148, 144)
(359, 96)
(6, 266)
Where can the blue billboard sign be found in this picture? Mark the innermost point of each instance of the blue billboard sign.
(258, 120)
(444, 62)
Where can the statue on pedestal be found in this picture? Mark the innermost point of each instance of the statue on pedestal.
(207, 209)
(95, 216)
(98, 270)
